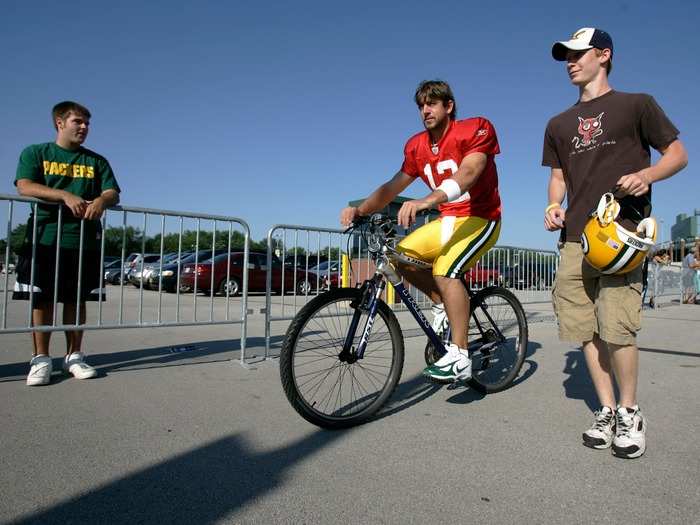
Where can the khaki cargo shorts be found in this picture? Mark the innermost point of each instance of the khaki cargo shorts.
(588, 302)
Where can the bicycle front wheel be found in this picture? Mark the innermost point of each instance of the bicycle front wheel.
(323, 388)
(498, 335)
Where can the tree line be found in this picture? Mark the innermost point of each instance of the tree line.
(133, 240)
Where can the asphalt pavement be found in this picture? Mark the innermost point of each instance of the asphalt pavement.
(175, 430)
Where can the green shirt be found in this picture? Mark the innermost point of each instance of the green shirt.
(81, 172)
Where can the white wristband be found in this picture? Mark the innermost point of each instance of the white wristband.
(451, 189)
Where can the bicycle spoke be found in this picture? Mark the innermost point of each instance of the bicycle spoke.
(329, 385)
(501, 331)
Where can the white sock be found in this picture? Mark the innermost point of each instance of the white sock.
(455, 350)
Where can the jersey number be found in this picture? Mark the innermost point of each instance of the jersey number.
(443, 166)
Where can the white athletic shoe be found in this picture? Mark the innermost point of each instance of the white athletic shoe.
(601, 433)
(75, 365)
(440, 323)
(454, 365)
(629, 441)
(40, 368)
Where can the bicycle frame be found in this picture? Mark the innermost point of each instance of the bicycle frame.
(373, 289)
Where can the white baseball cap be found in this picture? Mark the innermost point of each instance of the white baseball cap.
(584, 38)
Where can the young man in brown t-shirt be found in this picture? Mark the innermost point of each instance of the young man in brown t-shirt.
(603, 141)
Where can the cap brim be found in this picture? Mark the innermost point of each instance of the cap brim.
(560, 49)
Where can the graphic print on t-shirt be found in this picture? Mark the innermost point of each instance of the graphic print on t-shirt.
(589, 129)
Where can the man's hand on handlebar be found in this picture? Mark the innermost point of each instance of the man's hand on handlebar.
(348, 215)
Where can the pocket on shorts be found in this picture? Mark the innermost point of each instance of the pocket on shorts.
(631, 308)
(633, 280)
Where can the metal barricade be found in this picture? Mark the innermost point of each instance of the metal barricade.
(305, 249)
(130, 311)
(530, 273)
(664, 284)
(292, 266)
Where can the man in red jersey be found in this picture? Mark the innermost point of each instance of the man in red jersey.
(456, 160)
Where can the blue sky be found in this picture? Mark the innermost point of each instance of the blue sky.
(281, 112)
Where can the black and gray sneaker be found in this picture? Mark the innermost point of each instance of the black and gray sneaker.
(630, 439)
(601, 434)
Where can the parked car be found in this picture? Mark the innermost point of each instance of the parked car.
(108, 259)
(329, 274)
(135, 266)
(201, 275)
(130, 263)
(480, 276)
(169, 279)
(113, 271)
(301, 260)
(149, 268)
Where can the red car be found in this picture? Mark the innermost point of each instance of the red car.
(257, 275)
(480, 276)
(328, 275)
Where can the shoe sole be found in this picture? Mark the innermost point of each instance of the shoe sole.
(38, 382)
(596, 443)
(625, 453)
(596, 446)
(446, 380)
(90, 376)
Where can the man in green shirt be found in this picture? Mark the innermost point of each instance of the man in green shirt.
(83, 182)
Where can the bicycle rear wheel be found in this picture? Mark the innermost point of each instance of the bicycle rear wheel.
(498, 338)
(323, 388)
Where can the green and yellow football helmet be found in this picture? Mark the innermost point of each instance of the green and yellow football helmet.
(609, 247)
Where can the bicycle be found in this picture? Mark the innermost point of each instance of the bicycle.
(336, 377)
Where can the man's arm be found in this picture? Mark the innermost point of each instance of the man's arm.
(469, 171)
(378, 199)
(28, 188)
(96, 208)
(554, 214)
(673, 159)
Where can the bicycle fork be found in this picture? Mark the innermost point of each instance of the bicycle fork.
(369, 302)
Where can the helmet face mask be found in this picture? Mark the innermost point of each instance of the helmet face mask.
(608, 246)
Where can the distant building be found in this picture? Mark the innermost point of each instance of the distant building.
(686, 227)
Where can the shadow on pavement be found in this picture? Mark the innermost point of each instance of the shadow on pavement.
(407, 394)
(670, 352)
(156, 357)
(578, 385)
(200, 486)
(529, 367)
(209, 483)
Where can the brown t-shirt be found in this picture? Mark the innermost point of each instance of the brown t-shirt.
(598, 141)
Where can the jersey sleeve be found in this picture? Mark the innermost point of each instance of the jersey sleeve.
(29, 166)
(483, 139)
(655, 127)
(409, 159)
(107, 179)
(550, 157)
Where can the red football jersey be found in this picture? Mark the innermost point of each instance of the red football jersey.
(435, 165)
